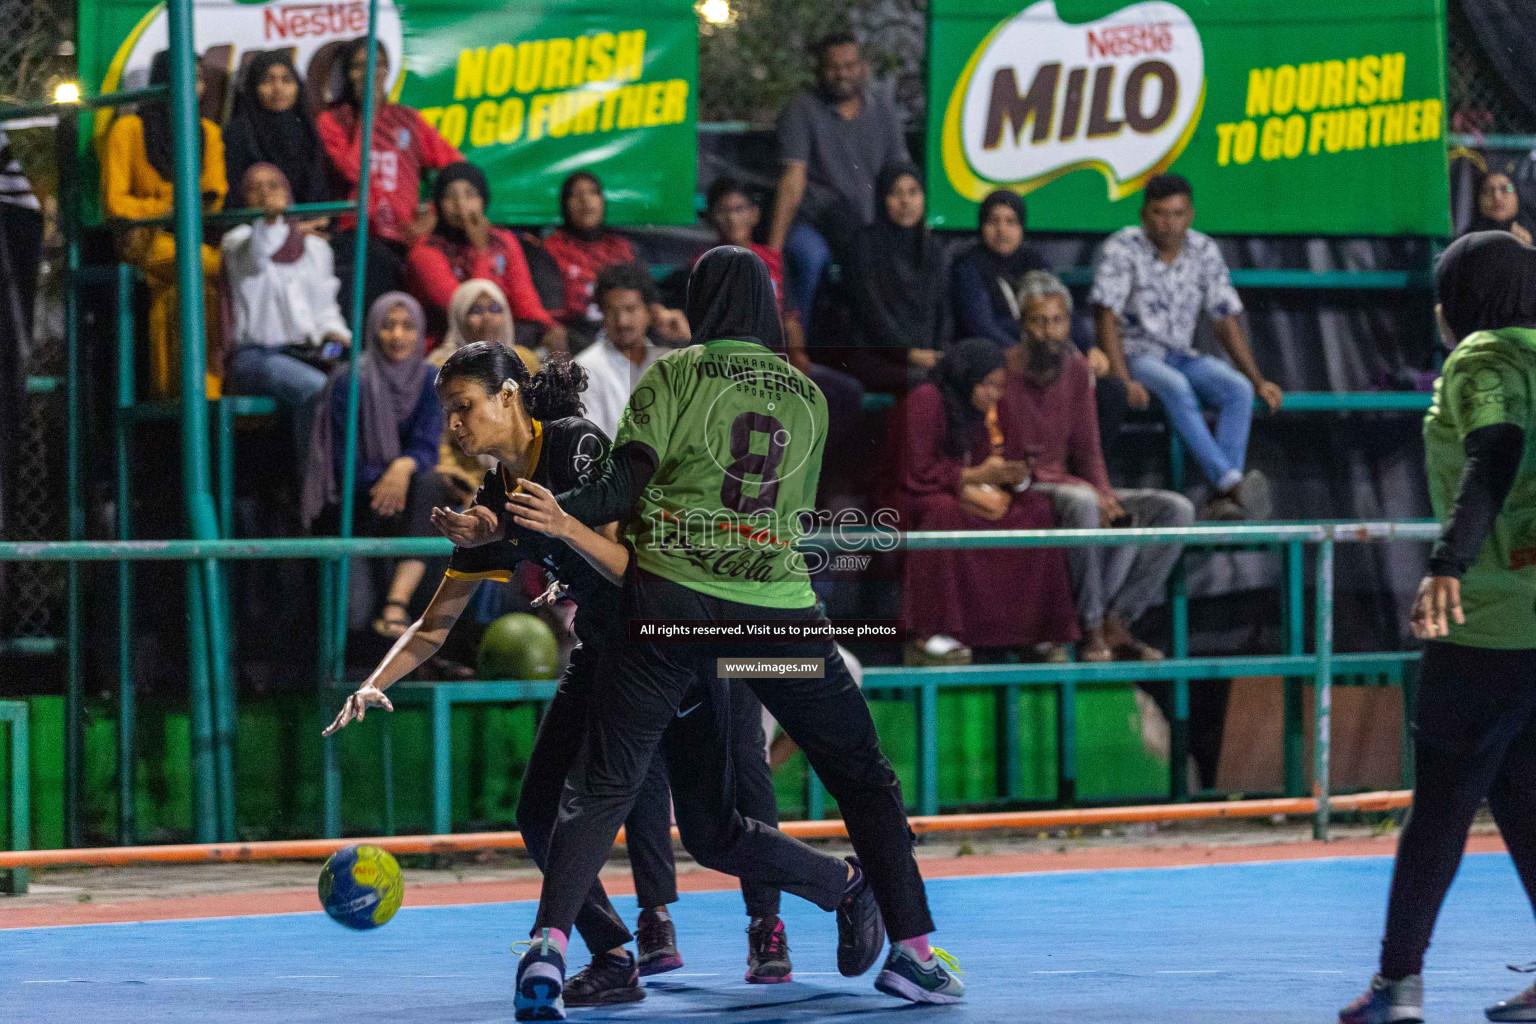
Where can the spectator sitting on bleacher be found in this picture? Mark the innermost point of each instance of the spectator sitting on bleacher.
(984, 283)
(281, 285)
(136, 175)
(478, 311)
(399, 430)
(465, 245)
(623, 349)
(1498, 207)
(1050, 398)
(272, 124)
(583, 245)
(960, 465)
(896, 286)
(403, 147)
(832, 142)
(1150, 283)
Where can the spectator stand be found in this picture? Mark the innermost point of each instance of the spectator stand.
(212, 685)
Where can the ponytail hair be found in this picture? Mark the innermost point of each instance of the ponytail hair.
(551, 394)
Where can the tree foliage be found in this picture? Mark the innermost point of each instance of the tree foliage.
(750, 68)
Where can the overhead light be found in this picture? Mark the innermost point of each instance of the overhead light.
(715, 12)
(66, 92)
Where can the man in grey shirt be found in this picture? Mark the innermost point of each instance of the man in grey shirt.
(833, 142)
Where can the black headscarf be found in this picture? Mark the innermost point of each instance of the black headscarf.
(461, 171)
(287, 138)
(730, 296)
(1482, 223)
(156, 117)
(585, 234)
(963, 367)
(1486, 281)
(905, 266)
(995, 269)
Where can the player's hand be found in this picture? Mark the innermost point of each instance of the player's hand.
(1438, 600)
(1270, 392)
(552, 593)
(469, 529)
(1136, 396)
(535, 507)
(357, 705)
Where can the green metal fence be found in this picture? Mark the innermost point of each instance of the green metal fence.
(1321, 665)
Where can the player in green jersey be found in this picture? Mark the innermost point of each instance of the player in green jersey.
(717, 457)
(1476, 715)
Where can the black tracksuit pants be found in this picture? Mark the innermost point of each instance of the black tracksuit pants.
(666, 694)
(647, 829)
(1475, 737)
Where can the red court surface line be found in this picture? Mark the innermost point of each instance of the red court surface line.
(1104, 858)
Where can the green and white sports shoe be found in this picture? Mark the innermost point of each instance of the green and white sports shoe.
(920, 981)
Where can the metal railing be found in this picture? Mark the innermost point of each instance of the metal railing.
(1321, 664)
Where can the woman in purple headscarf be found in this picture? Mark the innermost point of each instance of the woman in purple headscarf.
(399, 425)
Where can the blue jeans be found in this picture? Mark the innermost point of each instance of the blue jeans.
(806, 256)
(1181, 381)
(259, 370)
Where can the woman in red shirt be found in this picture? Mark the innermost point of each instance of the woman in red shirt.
(465, 245)
(403, 146)
(584, 245)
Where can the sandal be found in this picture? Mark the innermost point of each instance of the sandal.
(392, 627)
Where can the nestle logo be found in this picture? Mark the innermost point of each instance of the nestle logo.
(1130, 40)
(298, 21)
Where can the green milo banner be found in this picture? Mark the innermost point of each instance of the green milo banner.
(529, 91)
(1287, 116)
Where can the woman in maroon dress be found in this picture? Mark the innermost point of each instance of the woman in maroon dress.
(958, 470)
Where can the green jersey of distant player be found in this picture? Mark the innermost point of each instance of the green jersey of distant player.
(1490, 378)
(738, 436)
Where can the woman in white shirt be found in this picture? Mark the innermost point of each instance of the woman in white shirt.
(282, 296)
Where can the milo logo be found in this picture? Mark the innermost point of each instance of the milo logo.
(227, 33)
(1041, 98)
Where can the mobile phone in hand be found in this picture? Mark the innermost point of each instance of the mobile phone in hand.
(331, 350)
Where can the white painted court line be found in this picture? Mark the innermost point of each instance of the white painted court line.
(53, 981)
(1186, 972)
(294, 977)
(177, 979)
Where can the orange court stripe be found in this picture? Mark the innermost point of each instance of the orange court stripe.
(306, 849)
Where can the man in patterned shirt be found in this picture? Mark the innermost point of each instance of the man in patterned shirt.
(1149, 285)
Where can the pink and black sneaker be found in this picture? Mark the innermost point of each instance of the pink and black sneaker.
(657, 941)
(768, 953)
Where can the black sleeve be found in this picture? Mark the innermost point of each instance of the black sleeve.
(615, 490)
(496, 560)
(1493, 456)
(578, 450)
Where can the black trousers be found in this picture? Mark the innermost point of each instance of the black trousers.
(1475, 737)
(754, 785)
(666, 694)
(647, 829)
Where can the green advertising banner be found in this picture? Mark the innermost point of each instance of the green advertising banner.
(529, 91)
(1287, 116)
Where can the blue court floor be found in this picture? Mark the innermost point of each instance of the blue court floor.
(1280, 942)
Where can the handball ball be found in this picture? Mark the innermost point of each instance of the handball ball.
(518, 646)
(361, 887)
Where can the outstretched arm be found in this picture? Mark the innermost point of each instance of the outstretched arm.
(422, 639)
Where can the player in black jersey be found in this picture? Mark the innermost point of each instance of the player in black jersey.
(531, 425)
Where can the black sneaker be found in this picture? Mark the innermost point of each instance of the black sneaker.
(657, 940)
(540, 975)
(608, 979)
(860, 931)
(768, 953)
